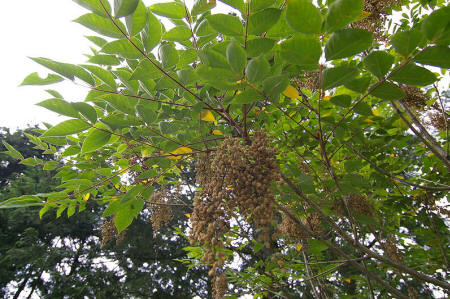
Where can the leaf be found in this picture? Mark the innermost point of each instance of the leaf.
(215, 76)
(435, 26)
(122, 103)
(34, 79)
(274, 85)
(125, 214)
(248, 96)
(405, 42)
(120, 121)
(207, 115)
(59, 106)
(363, 109)
(86, 196)
(86, 110)
(257, 5)
(102, 74)
(172, 10)
(67, 127)
(236, 57)
(333, 77)
(12, 151)
(152, 33)
(388, 91)
(168, 55)
(347, 42)
(412, 74)
(378, 63)
(146, 113)
(101, 25)
(178, 33)
(95, 6)
(137, 21)
(145, 70)
(179, 151)
(21, 202)
(70, 71)
(291, 92)
(298, 247)
(104, 59)
(258, 46)
(96, 138)
(217, 132)
(263, 20)
(358, 84)
(301, 50)
(238, 4)
(342, 100)
(201, 6)
(257, 69)
(303, 16)
(124, 48)
(124, 8)
(436, 56)
(226, 24)
(343, 12)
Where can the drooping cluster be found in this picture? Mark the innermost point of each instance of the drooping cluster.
(161, 211)
(235, 180)
(309, 80)
(295, 233)
(415, 98)
(109, 232)
(356, 204)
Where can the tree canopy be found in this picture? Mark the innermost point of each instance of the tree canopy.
(317, 132)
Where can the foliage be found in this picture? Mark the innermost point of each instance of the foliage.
(345, 99)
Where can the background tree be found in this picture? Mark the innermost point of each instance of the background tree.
(317, 130)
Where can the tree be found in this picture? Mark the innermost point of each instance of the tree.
(55, 257)
(317, 132)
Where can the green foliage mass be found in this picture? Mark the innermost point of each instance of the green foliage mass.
(347, 97)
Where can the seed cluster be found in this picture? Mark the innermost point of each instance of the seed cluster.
(356, 204)
(294, 233)
(109, 232)
(437, 120)
(391, 249)
(310, 80)
(234, 180)
(220, 285)
(415, 98)
(161, 211)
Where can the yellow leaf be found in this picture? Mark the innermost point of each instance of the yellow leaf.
(291, 92)
(376, 112)
(114, 198)
(392, 156)
(86, 196)
(207, 115)
(145, 153)
(178, 151)
(327, 98)
(326, 114)
(348, 280)
(430, 155)
(217, 132)
(368, 120)
(291, 114)
(238, 81)
(298, 247)
(238, 92)
(117, 186)
(123, 171)
(187, 215)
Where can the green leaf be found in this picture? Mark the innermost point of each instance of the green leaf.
(178, 33)
(34, 79)
(412, 74)
(168, 55)
(378, 63)
(124, 48)
(363, 109)
(303, 16)
(67, 127)
(96, 138)
(152, 33)
(358, 84)
(388, 91)
(343, 12)
(86, 110)
(333, 77)
(145, 71)
(122, 103)
(125, 215)
(258, 46)
(405, 42)
(347, 42)
(138, 20)
(104, 59)
(201, 6)
(120, 121)
(263, 20)
(215, 76)
(342, 100)
(301, 50)
(95, 6)
(59, 106)
(123, 8)
(173, 10)
(257, 69)
(236, 57)
(101, 25)
(436, 25)
(248, 96)
(21, 202)
(273, 86)
(146, 113)
(238, 4)
(226, 24)
(257, 5)
(102, 74)
(97, 40)
(70, 71)
(12, 151)
(436, 56)
(31, 161)
(50, 165)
